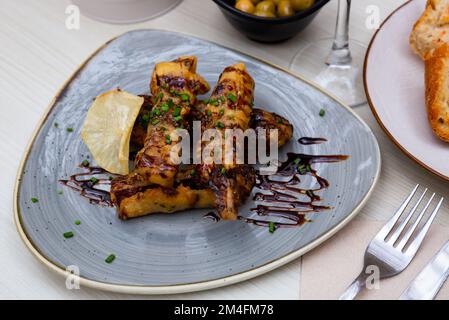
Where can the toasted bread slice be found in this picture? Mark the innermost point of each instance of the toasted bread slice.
(432, 29)
(437, 91)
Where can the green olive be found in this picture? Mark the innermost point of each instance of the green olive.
(299, 5)
(245, 6)
(265, 14)
(266, 5)
(285, 9)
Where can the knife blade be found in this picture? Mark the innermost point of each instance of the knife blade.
(429, 282)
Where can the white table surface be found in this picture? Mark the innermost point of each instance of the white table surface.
(38, 53)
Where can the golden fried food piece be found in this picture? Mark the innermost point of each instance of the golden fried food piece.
(229, 107)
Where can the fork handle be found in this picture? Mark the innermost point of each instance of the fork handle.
(355, 288)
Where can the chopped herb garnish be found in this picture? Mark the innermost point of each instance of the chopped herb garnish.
(69, 129)
(177, 111)
(178, 118)
(34, 200)
(302, 169)
(111, 177)
(56, 125)
(223, 171)
(155, 122)
(146, 117)
(206, 101)
(322, 113)
(170, 103)
(160, 95)
(60, 192)
(219, 125)
(280, 121)
(209, 113)
(110, 258)
(297, 160)
(68, 234)
(232, 97)
(193, 172)
(221, 112)
(156, 111)
(77, 222)
(93, 180)
(271, 227)
(310, 194)
(214, 102)
(167, 139)
(164, 107)
(163, 128)
(222, 99)
(185, 97)
(85, 163)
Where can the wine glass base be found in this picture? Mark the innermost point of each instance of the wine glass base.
(344, 82)
(124, 11)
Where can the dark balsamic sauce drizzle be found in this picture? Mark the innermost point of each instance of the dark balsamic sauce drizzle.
(281, 192)
(82, 183)
(308, 140)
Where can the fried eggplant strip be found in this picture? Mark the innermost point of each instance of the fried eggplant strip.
(174, 86)
(229, 107)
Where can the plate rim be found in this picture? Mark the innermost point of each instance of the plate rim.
(390, 136)
(202, 285)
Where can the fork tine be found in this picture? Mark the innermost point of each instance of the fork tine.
(412, 229)
(414, 246)
(386, 229)
(394, 237)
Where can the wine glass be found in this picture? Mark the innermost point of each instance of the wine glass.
(335, 63)
(124, 11)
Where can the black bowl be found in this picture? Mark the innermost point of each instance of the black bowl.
(268, 29)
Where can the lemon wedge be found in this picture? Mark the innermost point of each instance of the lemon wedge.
(107, 129)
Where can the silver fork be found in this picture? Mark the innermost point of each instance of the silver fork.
(391, 256)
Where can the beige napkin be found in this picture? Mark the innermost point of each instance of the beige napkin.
(330, 268)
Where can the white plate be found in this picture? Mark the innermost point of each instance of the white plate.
(394, 84)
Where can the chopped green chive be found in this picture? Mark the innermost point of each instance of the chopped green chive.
(77, 222)
(207, 101)
(222, 99)
(271, 227)
(156, 111)
(146, 117)
(209, 113)
(93, 180)
(280, 121)
(302, 169)
(221, 112)
(223, 171)
(60, 192)
(214, 102)
(178, 118)
(85, 163)
(322, 113)
(185, 97)
(68, 234)
(170, 103)
(34, 200)
(160, 95)
(177, 111)
(69, 129)
(232, 97)
(219, 125)
(165, 107)
(297, 161)
(193, 172)
(56, 125)
(310, 194)
(110, 258)
(167, 139)
(155, 122)
(163, 128)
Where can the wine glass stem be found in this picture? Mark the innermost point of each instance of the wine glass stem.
(340, 54)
